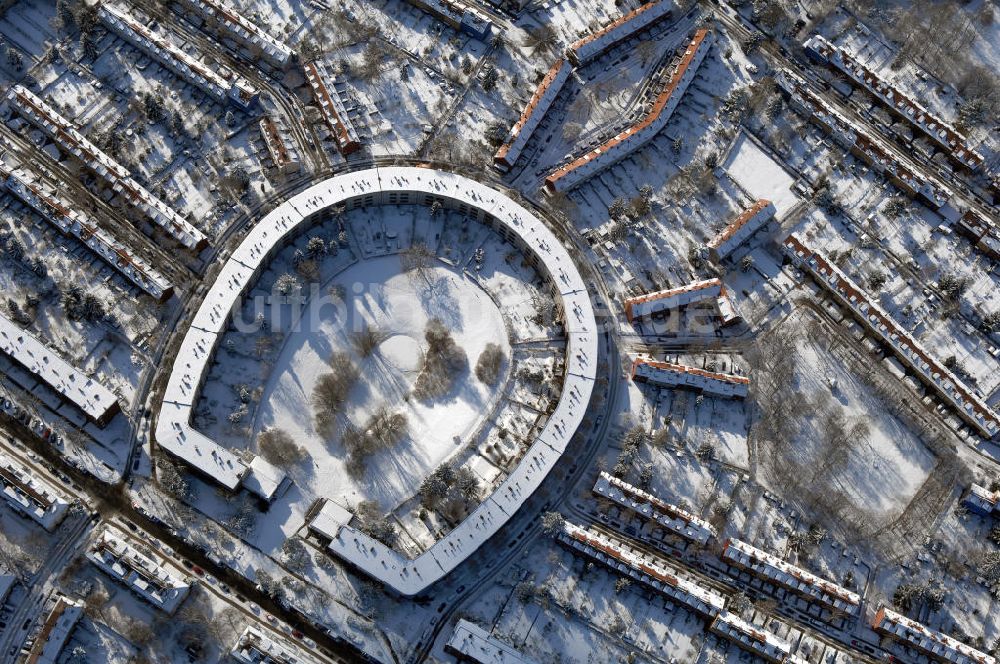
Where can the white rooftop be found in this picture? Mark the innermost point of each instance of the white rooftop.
(96, 401)
(475, 644)
(32, 495)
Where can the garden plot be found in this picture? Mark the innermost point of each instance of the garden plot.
(760, 175)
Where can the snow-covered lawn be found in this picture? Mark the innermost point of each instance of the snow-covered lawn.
(400, 305)
(760, 175)
(885, 462)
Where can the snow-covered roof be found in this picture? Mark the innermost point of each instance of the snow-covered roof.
(790, 577)
(279, 145)
(741, 229)
(243, 30)
(174, 431)
(97, 402)
(727, 309)
(902, 105)
(257, 646)
(32, 495)
(870, 149)
(162, 586)
(587, 48)
(969, 406)
(639, 566)
(76, 224)
(55, 631)
(472, 643)
(264, 479)
(459, 14)
(671, 517)
(628, 141)
(221, 83)
(939, 646)
(532, 115)
(679, 375)
(648, 304)
(329, 518)
(982, 231)
(332, 109)
(752, 638)
(46, 118)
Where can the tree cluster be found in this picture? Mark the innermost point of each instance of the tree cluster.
(909, 596)
(443, 362)
(383, 430)
(331, 390)
(80, 306)
(631, 442)
(449, 490)
(278, 447)
(373, 523)
(489, 364)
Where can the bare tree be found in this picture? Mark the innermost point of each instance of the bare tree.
(278, 447)
(417, 260)
(489, 364)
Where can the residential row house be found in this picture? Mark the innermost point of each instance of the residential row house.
(333, 111)
(740, 230)
(116, 176)
(953, 142)
(473, 644)
(778, 572)
(869, 149)
(221, 83)
(666, 374)
(150, 579)
(936, 645)
(628, 141)
(590, 47)
(35, 364)
(649, 571)
(458, 14)
(280, 146)
(651, 304)
(31, 495)
(230, 22)
(78, 225)
(51, 638)
(754, 639)
(981, 232)
(545, 94)
(257, 645)
(655, 511)
(980, 500)
(970, 407)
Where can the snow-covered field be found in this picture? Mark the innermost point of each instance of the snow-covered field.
(400, 305)
(760, 175)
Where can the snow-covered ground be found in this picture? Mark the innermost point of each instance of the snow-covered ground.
(760, 175)
(399, 305)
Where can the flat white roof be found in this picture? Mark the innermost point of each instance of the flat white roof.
(330, 518)
(264, 478)
(175, 434)
(477, 645)
(47, 366)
